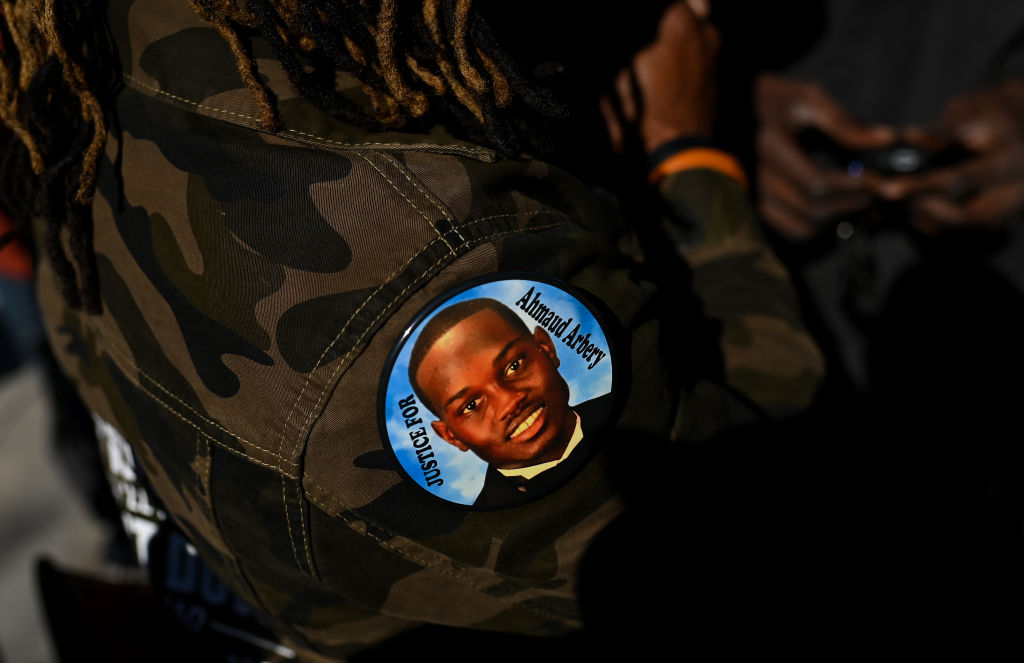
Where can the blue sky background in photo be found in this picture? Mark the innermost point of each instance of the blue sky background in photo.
(463, 472)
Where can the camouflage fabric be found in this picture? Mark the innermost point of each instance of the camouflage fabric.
(253, 285)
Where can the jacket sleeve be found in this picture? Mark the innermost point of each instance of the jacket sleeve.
(767, 355)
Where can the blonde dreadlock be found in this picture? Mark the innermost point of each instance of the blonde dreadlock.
(405, 60)
(49, 101)
(442, 60)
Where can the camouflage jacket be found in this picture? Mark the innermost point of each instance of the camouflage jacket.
(254, 283)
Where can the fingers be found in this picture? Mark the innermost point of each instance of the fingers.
(928, 140)
(700, 8)
(797, 105)
(667, 90)
(613, 125)
(671, 87)
(819, 209)
(996, 204)
(933, 213)
(983, 190)
(981, 122)
(797, 198)
(958, 180)
(626, 95)
(779, 151)
(786, 222)
(790, 213)
(843, 129)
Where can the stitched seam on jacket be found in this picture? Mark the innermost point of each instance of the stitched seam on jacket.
(288, 525)
(327, 385)
(199, 456)
(341, 506)
(123, 356)
(426, 193)
(309, 376)
(205, 465)
(230, 553)
(402, 194)
(220, 444)
(432, 199)
(464, 150)
(452, 572)
(120, 353)
(344, 360)
(208, 476)
(341, 363)
(304, 527)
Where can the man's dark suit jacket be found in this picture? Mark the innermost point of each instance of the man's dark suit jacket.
(500, 490)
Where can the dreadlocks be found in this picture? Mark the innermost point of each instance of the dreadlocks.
(426, 61)
(50, 106)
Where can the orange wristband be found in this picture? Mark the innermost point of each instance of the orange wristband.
(696, 158)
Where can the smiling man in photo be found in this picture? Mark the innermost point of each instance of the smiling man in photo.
(495, 387)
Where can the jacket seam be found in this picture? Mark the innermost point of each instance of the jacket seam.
(341, 505)
(194, 425)
(425, 190)
(304, 527)
(309, 376)
(124, 357)
(387, 309)
(477, 153)
(288, 525)
(121, 358)
(394, 186)
(296, 443)
(203, 451)
(230, 552)
(426, 564)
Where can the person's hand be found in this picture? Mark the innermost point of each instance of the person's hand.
(796, 197)
(667, 91)
(985, 189)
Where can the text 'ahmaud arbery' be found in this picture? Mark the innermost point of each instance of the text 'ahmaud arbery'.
(556, 325)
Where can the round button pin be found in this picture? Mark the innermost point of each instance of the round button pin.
(495, 393)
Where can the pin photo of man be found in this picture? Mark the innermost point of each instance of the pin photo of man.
(495, 388)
